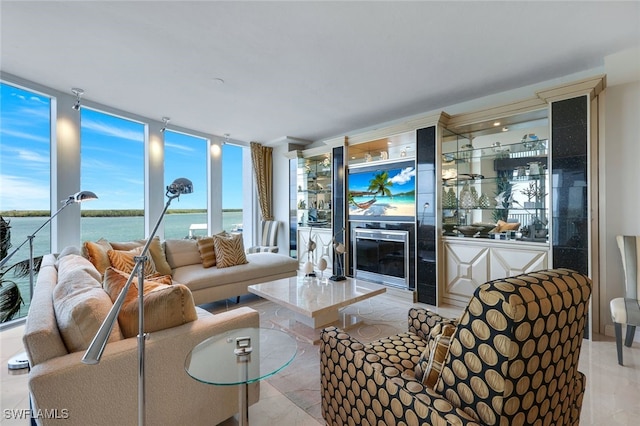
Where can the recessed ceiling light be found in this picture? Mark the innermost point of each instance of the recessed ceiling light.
(218, 80)
(497, 123)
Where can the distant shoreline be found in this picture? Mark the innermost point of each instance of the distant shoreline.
(104, 213)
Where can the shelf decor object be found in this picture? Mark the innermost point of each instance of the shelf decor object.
(340, 250)
(96, 348)
(21, 361)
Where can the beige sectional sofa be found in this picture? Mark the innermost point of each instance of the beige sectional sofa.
(69, 392)
(211, 284)
(73, 295)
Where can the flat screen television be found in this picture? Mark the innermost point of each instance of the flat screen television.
(382, 192)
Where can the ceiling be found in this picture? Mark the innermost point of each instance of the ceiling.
(308, 70)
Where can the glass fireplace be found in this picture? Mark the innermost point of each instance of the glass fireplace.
(381, 256)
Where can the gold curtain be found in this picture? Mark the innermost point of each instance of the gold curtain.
(262, 160)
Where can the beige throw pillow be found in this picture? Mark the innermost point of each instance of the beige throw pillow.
(229, 250)
(96, 252)
(165, 306)
(80, 304)
(182, 252)
(207, 251)
(125, 261)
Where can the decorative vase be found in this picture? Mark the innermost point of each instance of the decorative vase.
(474, 197)
(484, 202)
(452, 200)
(466, 199)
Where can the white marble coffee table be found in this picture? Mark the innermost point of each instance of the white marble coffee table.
(316, 302)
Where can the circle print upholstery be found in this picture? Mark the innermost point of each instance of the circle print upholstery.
(512, 361)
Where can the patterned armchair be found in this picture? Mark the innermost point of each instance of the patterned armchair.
(268, 240)
(512, 360)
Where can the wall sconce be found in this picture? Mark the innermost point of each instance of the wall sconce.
(78, 92)
(165, 120)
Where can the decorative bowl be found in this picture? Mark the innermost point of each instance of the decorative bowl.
(449, 228)
(485, 228)
(468, 231)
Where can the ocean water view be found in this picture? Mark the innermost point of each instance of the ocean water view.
(122, 228)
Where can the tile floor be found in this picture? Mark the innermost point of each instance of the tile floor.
(611, 397)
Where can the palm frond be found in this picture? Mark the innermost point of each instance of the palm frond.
(10, 301)
(5, 237)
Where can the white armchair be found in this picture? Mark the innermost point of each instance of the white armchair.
(626, 310)
(269, 238)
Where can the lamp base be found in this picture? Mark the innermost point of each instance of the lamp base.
(337, 278)
(18, 362)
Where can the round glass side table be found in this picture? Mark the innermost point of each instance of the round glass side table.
(240, 357)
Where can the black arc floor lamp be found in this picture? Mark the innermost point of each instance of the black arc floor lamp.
(96, 348)
(20, 361)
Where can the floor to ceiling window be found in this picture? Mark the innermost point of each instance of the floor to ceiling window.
(185, 156)
(25, 168)
(112, 166)
(232, 188)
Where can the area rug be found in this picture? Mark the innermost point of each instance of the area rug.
(381, 316)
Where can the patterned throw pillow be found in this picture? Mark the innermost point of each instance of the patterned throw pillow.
(229, 250)
(165, 306)
(430, 363)
(125, 261)
(207, 251)
(155, 250)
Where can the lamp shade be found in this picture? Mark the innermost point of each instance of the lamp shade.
(180, 186)
(81, 196)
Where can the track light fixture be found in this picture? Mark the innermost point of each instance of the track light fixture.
(78, 92)
(165, 120)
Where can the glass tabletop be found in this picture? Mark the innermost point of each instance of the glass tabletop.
(214, 360)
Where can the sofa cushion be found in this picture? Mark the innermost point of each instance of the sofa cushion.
(229, 250)
(156, 251)
(259, 265)
(165, 306)
(207, 251)
(80, 303)
(182, 253)
(96, 252)
(124, 260)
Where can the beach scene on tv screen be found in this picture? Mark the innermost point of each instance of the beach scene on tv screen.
(380, 193)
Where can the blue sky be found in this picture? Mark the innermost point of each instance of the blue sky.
(403, 179)
(112, 158)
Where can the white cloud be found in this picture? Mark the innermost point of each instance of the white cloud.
(19, 193)
(404, 176)
(178, 147)
(24, 135)
(113, 131)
